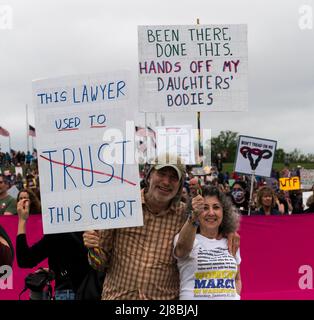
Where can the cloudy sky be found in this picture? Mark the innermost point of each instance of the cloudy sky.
(55, 38)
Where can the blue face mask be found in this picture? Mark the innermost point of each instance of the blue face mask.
(237, 195)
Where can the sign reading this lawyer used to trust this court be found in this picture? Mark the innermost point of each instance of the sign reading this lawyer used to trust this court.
(193, 68)
(255, 156)
(88, 179)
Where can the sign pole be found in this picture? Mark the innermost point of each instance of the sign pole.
(251, 190)
(199, 122)
(27, 128)
(145, 138)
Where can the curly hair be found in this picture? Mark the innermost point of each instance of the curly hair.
(231, 219)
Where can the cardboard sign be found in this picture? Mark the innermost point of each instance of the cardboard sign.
(19, 170)
(88, 178)
(193, 68)
(292, 183)
(307, 178)
(178, 140)
(255, 156)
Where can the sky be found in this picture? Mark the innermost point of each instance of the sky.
(48, 39)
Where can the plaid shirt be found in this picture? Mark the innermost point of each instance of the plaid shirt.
(139, 260)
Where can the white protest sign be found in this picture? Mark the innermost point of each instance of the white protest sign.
(255, 156)
(193, 68)
(307, 178)
(88, 179)
(19, 170)
(176, 140)
(305, 197)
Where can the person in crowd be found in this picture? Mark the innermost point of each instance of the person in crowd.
(28, 158)
(30, 181)
(296, 201)
(195, 187)
(139, 260)
(207, 270)
(266, 202)
(34, 203)
(19, 181)
(6, 249)
(310, 205)
(66, 253)
(185, 195)
(240, 196)
(7, 203)
(284, 202)
(227, 188)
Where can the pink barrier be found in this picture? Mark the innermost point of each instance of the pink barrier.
(272, 249)
(34, 233)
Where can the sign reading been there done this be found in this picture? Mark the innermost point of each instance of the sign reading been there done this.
(87, 180)
(193, 68)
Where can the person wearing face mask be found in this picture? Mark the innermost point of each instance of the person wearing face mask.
(239, 197)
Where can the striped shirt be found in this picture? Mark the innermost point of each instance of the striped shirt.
(139, 260)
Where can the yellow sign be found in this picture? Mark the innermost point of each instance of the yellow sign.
(292, 183)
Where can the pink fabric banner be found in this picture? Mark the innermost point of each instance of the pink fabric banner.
(277, 256)
(273, 249)
(34, 233)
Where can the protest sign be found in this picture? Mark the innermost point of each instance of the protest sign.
(231, 182)
(193, 68)
(176, 140)
(255, 156)
(307, 178)
(19, 170)
(145, 144)
(88, 178)
(305, 196)
(292, 183)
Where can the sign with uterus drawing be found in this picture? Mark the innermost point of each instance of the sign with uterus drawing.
(255, 156)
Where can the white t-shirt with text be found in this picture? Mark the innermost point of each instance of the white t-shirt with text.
(209, 272)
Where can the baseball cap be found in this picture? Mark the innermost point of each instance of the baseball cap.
(175, 167)
(169, 160)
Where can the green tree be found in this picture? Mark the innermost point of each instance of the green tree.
(226, 145)
(294, 156)
(280, 156)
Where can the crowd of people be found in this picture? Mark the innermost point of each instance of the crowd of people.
(267, 198)
(187, 218)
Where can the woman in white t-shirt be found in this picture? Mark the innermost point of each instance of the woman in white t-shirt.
(207, 270)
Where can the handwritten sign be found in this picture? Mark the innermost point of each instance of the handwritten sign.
(307, 178)
(178, 140)
(255, 156)
(292, 183)
(193, 68)
(87, 177)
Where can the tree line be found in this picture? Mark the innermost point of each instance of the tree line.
(225, 146)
